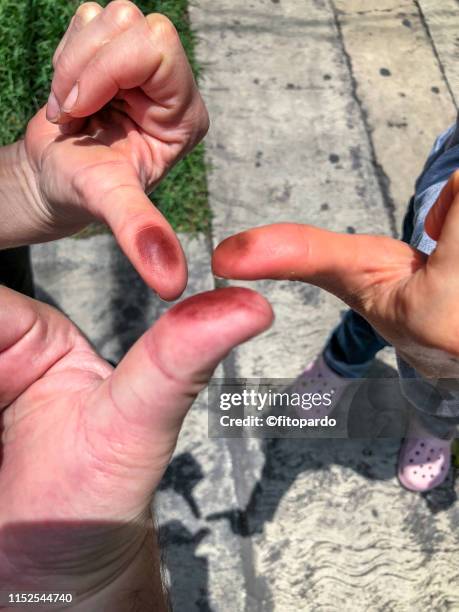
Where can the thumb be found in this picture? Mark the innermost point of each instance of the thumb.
(346, 265)
(437, 214)
(140, 229)
(140, 408)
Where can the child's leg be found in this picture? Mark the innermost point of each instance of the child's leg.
(352, 346)
(425, 454)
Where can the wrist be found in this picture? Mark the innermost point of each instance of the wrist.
(24, 218)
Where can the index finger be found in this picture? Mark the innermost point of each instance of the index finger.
(150, 56)
(91, 28)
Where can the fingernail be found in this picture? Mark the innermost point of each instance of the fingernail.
(71, 99)
(52, 107)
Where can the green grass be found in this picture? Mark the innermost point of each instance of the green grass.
(30, 31)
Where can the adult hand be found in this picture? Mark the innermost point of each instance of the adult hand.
(124, 108)
(410, 299)
(84, 446)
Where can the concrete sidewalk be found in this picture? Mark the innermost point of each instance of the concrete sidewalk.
(322, 112)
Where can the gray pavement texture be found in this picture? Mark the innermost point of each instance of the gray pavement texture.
(322, 112)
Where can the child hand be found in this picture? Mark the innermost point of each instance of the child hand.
(409, 298)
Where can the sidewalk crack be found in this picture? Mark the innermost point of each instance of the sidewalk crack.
(381, 176)
(435, 51)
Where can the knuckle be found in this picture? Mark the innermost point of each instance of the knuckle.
(87, 11)
(162, 27)
(123, 13)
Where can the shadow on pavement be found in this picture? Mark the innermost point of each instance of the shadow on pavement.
(135, 308)
(375, 458)
(188, 573)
